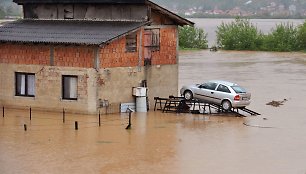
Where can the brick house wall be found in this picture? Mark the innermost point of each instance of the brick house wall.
(92, 84)
(24, 54)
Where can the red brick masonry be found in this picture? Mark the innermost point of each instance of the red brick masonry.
(112, 55)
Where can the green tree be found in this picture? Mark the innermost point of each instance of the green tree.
(2, 13)
(282, 38)
(301, 36)
(191, 37)
(239, 35)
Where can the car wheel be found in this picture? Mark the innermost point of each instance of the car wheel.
(226, 105)
(188, 95)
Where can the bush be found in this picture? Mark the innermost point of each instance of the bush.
(282, 38)
(301, 36)
(190, 37)
(239, 35)
(2, 13)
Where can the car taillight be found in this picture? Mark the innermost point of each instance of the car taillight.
(237, 97)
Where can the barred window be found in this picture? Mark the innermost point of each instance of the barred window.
(155, 39)
(152, 39)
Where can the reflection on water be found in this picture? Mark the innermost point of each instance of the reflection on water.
(175, 143)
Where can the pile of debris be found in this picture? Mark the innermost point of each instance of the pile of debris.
(276, 103)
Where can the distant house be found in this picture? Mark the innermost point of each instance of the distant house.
(83, 55)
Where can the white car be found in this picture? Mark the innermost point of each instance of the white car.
(226, 94)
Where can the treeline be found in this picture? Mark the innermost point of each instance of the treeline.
(241, 34)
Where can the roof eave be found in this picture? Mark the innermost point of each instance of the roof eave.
(124, 34)
(178, 19)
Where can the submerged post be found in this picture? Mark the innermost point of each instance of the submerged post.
(76, 126)
(3, 111)
(25, 127)
(129, 126)
(63, 115)
(99, 119)
(30, 113)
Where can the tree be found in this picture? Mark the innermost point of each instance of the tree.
(283, 38)
(191, 37)
(301, 36)
(238, 35)
(2, 13)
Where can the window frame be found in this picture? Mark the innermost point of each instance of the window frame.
(26, 84)
(63, 87)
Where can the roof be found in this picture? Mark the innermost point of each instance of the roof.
(178, 19)
(66, 31)
(80, 1)
(224, 82)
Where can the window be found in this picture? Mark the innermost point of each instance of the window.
(25, 84)
(68, 11)
(155, 39)
(209, 85)
(239, 89)
(70, 87)
(131, 43)
(223, 88)
(152, 39)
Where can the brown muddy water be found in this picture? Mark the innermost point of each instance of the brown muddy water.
(176, 143)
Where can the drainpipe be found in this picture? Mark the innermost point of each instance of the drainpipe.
(97, 68)
(52, 55)
(140, 51)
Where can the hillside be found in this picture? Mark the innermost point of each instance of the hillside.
(260, 8)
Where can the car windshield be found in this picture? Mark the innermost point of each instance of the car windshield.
(238, 89)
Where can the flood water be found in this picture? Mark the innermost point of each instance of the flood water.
(273, 142)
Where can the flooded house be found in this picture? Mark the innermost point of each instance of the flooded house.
(87, 55)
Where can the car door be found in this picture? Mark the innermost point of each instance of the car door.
(206, 92)
(221, 93)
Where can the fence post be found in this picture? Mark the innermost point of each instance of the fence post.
(3, 111)
(76, 126)
(30, 113)
(130, 125)
(99, 119)
(63, 115)
(25, 127)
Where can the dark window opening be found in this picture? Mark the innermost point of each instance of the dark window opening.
(209, 85)
(70, 87)
(153, 39)
(223, 88)
(25, 84)
(131, 42)
(68, 12)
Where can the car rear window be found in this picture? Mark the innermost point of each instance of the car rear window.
(238, 89)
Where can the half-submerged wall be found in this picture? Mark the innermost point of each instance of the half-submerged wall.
(111, 78)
